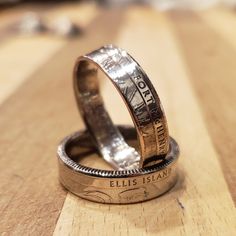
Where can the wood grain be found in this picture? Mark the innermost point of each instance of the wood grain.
(42, 111)
(209, 49)
(31, 197)
(193, 206)
(23, 53)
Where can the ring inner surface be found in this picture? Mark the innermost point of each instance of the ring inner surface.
(82, 150)
(110, 141)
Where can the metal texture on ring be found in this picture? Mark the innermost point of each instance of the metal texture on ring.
(110, 186)
(140, 98)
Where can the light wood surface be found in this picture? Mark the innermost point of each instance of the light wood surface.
(190, 58)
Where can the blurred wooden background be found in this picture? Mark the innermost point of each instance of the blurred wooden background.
(191, 59)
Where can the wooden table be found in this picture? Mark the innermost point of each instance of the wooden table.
(191, 59)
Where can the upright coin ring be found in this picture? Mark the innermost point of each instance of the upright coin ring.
(108, 186)
(140, 98)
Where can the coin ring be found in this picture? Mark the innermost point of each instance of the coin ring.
(140, 98)
(118, 187)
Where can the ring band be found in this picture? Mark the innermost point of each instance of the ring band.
(108, 186)
(140, 98)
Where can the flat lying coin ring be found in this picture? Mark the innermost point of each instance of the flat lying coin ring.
(120, 187)
(140, 98)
